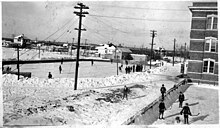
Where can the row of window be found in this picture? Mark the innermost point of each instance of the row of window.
(212, 22)
(211, 44)
(208, 65)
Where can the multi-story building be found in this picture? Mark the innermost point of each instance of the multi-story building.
(203, 52)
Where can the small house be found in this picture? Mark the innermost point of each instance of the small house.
(22, 40)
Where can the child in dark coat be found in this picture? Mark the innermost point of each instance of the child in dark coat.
(181, 99)
(186, 112)
(162, 108)
(163, 91)
(125, 92)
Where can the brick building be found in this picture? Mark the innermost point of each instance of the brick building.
(203, 52)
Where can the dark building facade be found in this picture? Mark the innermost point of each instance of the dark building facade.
(203, 51)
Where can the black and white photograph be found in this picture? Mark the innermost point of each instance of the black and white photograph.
(110, 63)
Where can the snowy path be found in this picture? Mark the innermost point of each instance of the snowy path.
(201, 100)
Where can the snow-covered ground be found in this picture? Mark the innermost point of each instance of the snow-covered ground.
(39, 101)
(99, 69)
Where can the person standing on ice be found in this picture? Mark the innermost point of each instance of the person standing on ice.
(62, 61)
(60, 69)
(186, 112)
(50, 75)
(133, 68)
(92, 62)
(120, 68)
(181, 99)
(125, 92)
(163, 91)
(126, 70)
(162, 108)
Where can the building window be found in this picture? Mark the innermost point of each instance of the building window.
(208, 65)
(211, 44)
(212, 21)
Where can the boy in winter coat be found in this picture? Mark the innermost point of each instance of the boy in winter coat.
(186, 112)
(162, 108)
(125, 92)
(163, 91)
(50, 75)
(60, 69)
(181, 99)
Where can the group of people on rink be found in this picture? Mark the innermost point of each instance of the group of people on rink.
(129, 69)
(185, 109)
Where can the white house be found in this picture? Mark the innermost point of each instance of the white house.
(22, 40)
(105, 49)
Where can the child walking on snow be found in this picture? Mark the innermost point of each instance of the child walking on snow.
(162, 108)
(186, 112)
(125, 92)
(163, 91)
(181, 99)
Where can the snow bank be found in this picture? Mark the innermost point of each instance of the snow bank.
(83, 83)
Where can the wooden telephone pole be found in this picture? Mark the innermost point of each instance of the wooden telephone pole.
(153, 32)
(174, 50)
(18, 61)
(81, 14)
(71, 48)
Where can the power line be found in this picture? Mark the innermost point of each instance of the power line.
(65, 31)
(23, 64)
(125, 32)
(53, 34)
(59, 29)
(103, 36)
(60, 35)
(117, 17)
(25, 52)
(127, 7)
(96, 32)
(111, 26)
(104, 22)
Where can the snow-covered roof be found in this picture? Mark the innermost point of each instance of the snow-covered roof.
(106, 46)
(159, 48)
(24, 37)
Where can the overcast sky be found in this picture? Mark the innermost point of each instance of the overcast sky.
(127, 22)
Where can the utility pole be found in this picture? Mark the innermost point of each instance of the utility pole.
(71, 48)
(185, 54)
(18, 61)
(39, 51)
(153, 32)
(116, 55)
(174, 50)
(81, 14)
(85, 47)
